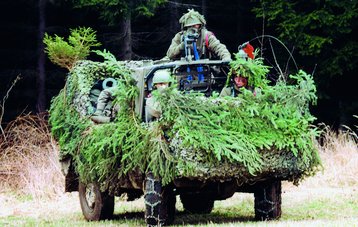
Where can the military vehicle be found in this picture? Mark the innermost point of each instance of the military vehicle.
(197, 191)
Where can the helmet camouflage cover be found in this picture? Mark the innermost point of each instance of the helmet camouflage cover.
(161, 76)
(191, 18)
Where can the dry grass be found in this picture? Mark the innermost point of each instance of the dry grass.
(29, 158)
(339, 154)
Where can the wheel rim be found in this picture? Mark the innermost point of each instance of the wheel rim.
(90, 195)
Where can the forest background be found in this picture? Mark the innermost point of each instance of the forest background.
(321, 35)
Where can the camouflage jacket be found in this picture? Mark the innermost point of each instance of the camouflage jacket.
(232, 91)
(104, 105)
(207, 45)
(153, 108)
(228, 91)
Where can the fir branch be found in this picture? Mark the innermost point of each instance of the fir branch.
(67, 53)
(252, 134)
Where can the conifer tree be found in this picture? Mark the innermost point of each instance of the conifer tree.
(121, 12)
(323, 34)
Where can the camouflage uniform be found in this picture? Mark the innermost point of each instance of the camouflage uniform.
(234, 91)
(153, 109)
(208, 45)
(104, 103)
(228, 91)
(214, 48)
(105, 109)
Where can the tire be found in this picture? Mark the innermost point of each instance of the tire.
(197, 203)
(95, 205)
(268, 201)
(159, 202)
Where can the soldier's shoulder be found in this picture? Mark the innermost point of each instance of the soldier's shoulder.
(179, 34)
(226, 91)
(209, 35)
(207, 32)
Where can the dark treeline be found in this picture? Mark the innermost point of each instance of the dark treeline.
(23, 23)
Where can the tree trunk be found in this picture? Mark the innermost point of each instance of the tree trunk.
(174, 25)
(204, 7)
(41, 76)
(126, 39)
(343, 118)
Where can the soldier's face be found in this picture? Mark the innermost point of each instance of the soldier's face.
(240, 81)
(195, 27)
(161, 86)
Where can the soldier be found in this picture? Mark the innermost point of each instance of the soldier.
(161, 80)
(208, 46)
(104, 107)
(246, 51)
(238, 83)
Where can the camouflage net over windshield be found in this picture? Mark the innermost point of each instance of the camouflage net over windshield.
(248, 137)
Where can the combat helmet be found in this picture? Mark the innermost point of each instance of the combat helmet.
(191, 18)
(161, 76)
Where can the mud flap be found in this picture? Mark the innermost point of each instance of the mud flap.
(71, 177)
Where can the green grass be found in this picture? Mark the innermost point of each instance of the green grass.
(334, 207)
(340, 207)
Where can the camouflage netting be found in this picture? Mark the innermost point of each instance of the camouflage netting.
(247, 137)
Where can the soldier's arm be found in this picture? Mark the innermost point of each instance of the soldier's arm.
(153, 107)
(218, 48)
(176, 47)
(104, 97)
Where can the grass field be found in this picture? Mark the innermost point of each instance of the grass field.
(301, 207)
(31, 190)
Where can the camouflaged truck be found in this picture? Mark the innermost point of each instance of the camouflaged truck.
(196, 194)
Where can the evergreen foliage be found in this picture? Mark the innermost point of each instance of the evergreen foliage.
(323, 36)
(67, 53)
(242, 129)
(253, 69)
(113, 10)
(321, 29)
(248, 137)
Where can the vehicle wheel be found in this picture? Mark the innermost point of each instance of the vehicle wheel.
(95, 205)
(197, 203)
(268, 201)
(159, 202)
